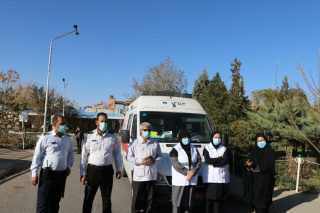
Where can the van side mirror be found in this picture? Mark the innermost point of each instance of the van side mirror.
(225, 140)
(125, 136)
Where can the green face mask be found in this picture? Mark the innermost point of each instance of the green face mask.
(62, 128)
(146, 134)
(103, 126)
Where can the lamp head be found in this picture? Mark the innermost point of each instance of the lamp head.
(63, 79)
(76, 28)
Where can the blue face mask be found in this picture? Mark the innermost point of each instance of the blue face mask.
(216, 141)
(146, 134)
(261, 144)
(62, 128)
(103, 126)
(185, 141)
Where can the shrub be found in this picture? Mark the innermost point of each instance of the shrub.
(286, 176)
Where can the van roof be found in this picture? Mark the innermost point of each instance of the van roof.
(167, 104)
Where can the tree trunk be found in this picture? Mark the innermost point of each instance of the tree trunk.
(23, 134)
(303, 147)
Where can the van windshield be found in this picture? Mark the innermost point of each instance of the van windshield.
(166, 126)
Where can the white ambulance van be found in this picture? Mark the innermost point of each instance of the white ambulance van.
(168, 114)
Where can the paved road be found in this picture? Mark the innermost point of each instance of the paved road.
(17, 194)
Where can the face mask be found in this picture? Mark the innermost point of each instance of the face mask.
(62, 128)
(261, 144)
(103, 126)
(146, 134)
(186, 141)
(216, 141)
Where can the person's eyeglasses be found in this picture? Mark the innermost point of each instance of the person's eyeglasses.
(62, 124)
(146, 130)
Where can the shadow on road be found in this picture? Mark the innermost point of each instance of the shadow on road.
(229, 205)
(17, 174)
(15, 167)
(291, 201)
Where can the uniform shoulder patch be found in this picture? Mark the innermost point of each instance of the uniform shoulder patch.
(45, 133)
(91, 132)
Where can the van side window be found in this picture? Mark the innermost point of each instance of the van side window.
(129, 123)
(134, 127)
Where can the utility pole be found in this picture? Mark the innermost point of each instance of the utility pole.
(277, 74)
(319, 84)
(48, 76)
(64, 96)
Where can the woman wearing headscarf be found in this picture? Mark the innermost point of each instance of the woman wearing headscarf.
(215, 173)
(258, 176)
(186, 162)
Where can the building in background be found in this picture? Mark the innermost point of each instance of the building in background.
(86, 118)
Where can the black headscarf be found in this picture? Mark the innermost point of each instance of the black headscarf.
(264, 157)
(262, 186)
(183, 134)
(211, 139)
(186, 148)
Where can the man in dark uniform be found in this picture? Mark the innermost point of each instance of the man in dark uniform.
(54, 156)
(79, 138)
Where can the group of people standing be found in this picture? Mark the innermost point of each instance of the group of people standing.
(186, 162)
(145, 153)
(54, 156)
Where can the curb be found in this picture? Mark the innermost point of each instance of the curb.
(9, 169)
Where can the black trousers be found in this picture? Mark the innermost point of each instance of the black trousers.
(79, 144)
(265, 210)
(49, 193)
(181, 209)
(213, 206)
(142, 197)
(98, 176)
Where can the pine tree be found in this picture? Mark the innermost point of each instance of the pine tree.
(213, 100)
(200, 84)
(238, 102)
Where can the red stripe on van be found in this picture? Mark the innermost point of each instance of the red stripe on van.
(124, 146)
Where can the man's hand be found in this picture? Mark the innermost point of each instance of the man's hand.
(249, 163)
(151, 161)
(83, 179)
(68, 172)
(118, 175)
(144, 161)
(34, 180)
(190, 174)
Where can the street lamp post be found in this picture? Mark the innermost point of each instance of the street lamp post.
(48, 77)
(64, 97)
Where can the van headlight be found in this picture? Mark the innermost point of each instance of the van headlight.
(160, 178)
